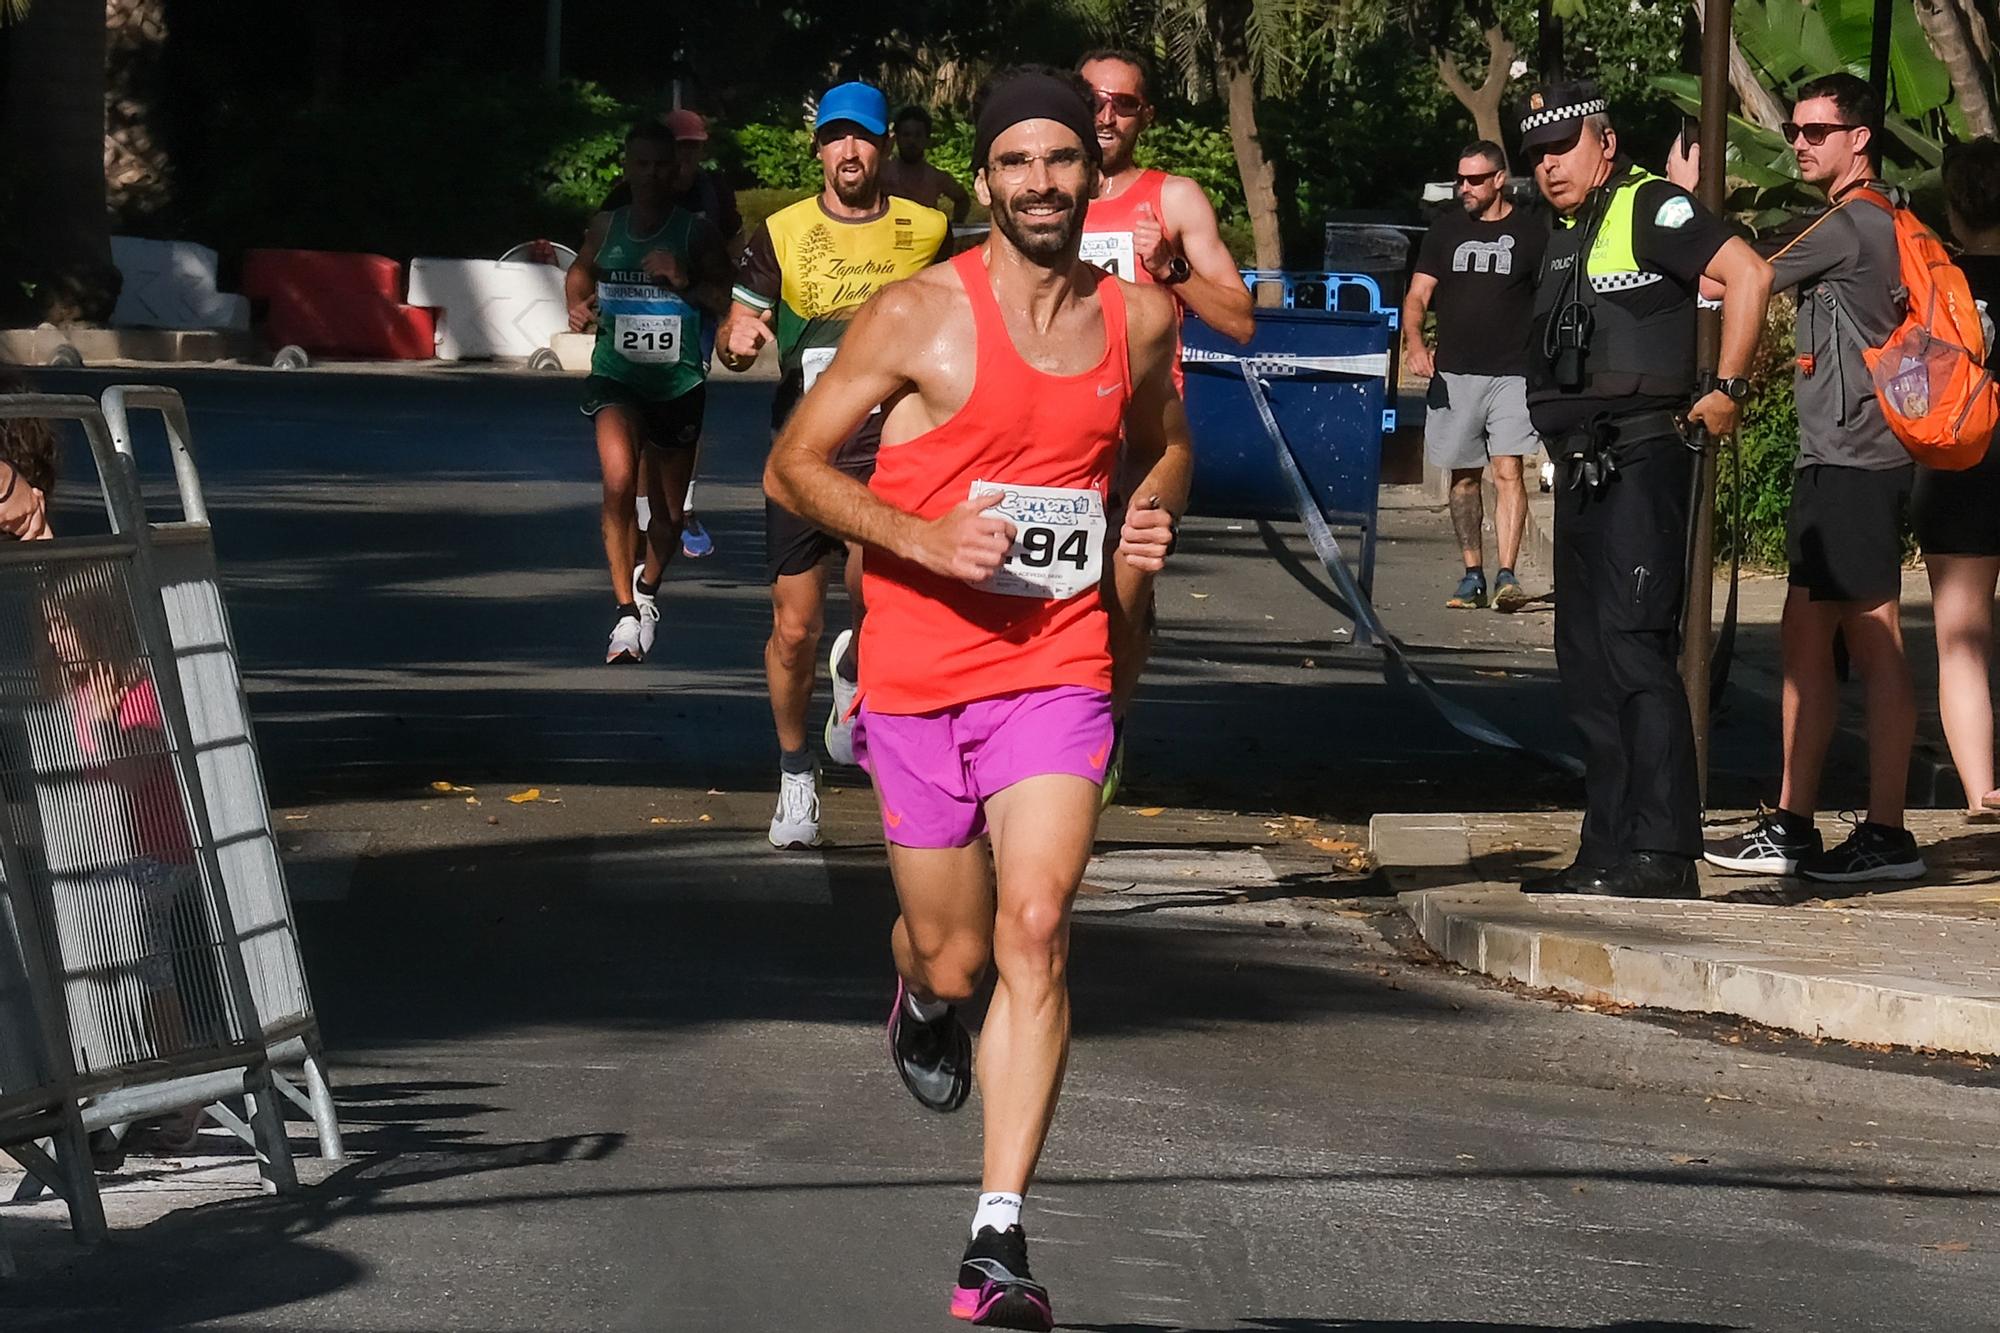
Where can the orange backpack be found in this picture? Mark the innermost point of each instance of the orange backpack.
(1931, 376)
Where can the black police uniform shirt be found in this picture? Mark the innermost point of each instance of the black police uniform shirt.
(1672, 234)
(1485, 297)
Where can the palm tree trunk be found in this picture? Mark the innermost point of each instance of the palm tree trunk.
(138, 171)
(1758, 103)
(1230, 27)
(1950, 31)
(52, 132)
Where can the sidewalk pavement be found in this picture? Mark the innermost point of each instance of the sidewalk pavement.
(1915, 965)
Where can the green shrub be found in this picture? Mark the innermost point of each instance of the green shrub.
(1762, 464)
(777, 157)
(756, 205)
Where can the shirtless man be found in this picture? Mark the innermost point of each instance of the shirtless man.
(1014, 377)
(908, 172)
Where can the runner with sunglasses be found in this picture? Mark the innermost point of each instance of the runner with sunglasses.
(1151, 227)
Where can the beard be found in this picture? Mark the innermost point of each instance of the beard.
(1046, 238)
(856, 193)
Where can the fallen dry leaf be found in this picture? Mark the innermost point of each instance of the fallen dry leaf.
(659, 819)
(1949, 1246)
(1682, 1159)
(1338, 846)
(1494, 675)
(523, 797)
(449, 787)
(706, 819)
(298, 816)
(472, 800)
(1199, 596)
(1151, 810)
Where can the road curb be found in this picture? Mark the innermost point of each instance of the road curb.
(1706, 957)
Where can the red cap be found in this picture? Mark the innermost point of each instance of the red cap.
(686, 126)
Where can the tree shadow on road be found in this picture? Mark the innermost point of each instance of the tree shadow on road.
(1402, 1326)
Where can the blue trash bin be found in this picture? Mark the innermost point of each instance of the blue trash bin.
(1333, 420)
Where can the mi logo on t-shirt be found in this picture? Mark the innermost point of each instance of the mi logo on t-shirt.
(1484, 257)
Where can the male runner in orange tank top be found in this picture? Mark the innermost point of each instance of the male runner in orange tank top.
(1013, 377)
(1149, 226)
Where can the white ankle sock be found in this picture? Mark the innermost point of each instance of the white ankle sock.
(924, 1011)
(998, 1211)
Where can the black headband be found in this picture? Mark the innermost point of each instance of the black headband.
(1034, 97)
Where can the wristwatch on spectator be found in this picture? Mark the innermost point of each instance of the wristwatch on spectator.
(1736, 386)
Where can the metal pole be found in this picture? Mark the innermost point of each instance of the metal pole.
(1878, 50)
(552, 45)
(1698, 642)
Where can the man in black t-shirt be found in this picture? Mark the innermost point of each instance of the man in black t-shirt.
(1477, 270)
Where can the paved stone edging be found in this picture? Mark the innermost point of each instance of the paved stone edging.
(1705, 958)
(1902, 977)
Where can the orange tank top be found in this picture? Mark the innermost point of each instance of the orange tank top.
(929, 642)
(1107, 240)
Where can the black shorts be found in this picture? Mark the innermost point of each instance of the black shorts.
(1844, 535)
(665, 423)
(794, 546)
(1958, 513)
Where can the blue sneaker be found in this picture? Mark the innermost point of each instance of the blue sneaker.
(1471, 594)
(695, 541)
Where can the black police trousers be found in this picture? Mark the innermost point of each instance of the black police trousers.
(1620, 555)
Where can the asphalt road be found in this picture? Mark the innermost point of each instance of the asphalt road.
(606, 1064)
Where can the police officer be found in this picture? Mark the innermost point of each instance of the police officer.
(1612, 387)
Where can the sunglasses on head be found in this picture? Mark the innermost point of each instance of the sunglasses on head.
(1815, 132)
(1123, 105)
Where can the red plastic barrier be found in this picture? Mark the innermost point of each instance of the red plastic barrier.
(333, 303)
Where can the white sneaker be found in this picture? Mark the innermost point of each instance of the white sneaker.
(796, 821)
(625, 645)
(649, 612)
(839, 726)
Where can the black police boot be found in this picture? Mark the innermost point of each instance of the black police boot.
(1653, 875)
(1574, 878)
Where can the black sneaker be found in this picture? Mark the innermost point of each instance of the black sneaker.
(1774, 845)
(1871, 852)
(934, 1058)
(995, 1289)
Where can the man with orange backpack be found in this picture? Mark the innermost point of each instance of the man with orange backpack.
(1844, 535)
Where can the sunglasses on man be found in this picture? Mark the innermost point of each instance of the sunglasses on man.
(1814, 132)
(1123, 105)
(1466, 182)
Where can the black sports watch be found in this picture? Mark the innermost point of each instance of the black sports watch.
(1736, 386)
(1178, 271)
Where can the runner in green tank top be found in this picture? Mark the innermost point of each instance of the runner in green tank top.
(650, 277)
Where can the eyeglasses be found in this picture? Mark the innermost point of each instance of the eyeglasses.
(1123, 105)
(1016, 167)
(1815, 132)
(1467, 182)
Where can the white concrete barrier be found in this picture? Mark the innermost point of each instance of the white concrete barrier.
(490, 307)
(172, 285)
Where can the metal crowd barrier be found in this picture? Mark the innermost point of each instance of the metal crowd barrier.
(148, 957)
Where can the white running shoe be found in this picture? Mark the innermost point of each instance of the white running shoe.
(839, 726)
(649, 613)
(625, 642)
(796, 821)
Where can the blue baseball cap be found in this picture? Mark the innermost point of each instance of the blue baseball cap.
(861, 103)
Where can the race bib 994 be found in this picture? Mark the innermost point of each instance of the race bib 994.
(1058, 548)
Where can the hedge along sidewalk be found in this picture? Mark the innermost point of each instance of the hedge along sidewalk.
(1910, 966)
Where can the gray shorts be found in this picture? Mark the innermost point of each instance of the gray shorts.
(1486, 416)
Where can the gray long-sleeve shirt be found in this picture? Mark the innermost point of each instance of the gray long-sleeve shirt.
(1849, 255)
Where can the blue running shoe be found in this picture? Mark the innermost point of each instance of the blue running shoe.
(695, 541)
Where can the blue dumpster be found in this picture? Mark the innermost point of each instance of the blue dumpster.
(1325, 373)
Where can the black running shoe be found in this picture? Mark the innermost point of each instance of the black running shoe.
(1774, 845)
(934, 1059)
(995, 1289)
(1872, 852)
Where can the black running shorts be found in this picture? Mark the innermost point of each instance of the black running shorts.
(1844, 535)
(664, 423)
(794, 546)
